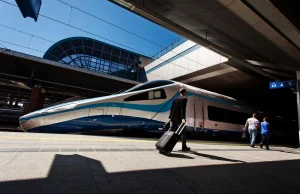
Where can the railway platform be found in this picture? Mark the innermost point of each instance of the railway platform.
(55, 163)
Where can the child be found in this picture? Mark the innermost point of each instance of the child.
(265, 130)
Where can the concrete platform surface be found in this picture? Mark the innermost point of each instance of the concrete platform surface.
(52, 163)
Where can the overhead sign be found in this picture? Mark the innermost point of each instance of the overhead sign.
(30, 8)
(283, 84)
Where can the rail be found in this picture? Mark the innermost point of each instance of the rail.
(169, 48)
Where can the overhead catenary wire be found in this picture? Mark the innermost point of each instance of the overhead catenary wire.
(32, 35)
(6, 49)
(4, 46)
(123, 29)
(21, 46)
(105, 21)
(93, 34)
(26, 33)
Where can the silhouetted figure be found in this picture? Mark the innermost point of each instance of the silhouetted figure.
(265, 130)
(252, 124)
(178, 115)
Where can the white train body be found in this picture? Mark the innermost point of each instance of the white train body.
(144, 107)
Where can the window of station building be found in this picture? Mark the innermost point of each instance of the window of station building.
(94, 59)
(107, 49)
(66, 45)
(106, 56)
(88, 43)
(105, 68)
(116, 52)
(113, 69)
(66, 59)
(121, 67)
(74, 56)
(115, 59)
(98, 47)
(123, 61)
(227, 116)
(76, 43)
(97, 53)
(132, 57)
(88, 51)
(150, 95)
(114, 65)
(79, 50)
(93, 64)
(124, 54)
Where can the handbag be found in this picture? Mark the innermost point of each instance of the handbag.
(245, 135)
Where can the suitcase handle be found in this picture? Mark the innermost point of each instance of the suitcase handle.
(180, 128)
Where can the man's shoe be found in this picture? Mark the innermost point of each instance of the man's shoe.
(267, 148)
(252, 146)
(261, 146)
(186, 149)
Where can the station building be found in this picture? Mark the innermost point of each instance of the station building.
(97, 56)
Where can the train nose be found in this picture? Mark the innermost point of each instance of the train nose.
(24, 124)
(30, 121)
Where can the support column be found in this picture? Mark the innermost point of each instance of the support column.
(37, 98)
(298, 104)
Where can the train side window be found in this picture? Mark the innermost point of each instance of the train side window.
(148, 85)
(227, 116)
(157, 94)
(150, 95)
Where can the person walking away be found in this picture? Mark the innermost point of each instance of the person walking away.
(252, 124)
(265, 130)
(178, 115)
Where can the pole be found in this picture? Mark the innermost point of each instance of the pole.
(298, 105)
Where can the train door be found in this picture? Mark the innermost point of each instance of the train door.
(198, 115)
(113, 114)
(95, 115)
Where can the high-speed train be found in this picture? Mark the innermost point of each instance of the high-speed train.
(145, 107)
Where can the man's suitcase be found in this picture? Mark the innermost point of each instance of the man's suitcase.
(169, 139)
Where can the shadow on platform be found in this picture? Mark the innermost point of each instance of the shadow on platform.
(173, 155)
(80, 174)
(212, 157)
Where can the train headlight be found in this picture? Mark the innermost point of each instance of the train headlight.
(61, 108)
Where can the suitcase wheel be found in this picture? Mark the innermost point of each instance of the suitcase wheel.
(163, 152)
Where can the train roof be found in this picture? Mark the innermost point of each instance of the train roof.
(161, 83)
(148, 85)
(207, 92)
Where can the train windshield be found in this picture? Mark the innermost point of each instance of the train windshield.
(151, 84)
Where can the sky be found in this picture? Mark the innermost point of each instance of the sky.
(52, 31)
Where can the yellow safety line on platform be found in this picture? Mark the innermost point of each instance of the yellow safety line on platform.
(72, 139)
(104, 140)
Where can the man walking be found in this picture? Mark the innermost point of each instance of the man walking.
(252, 124)
(178, 115)
(265, 129)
